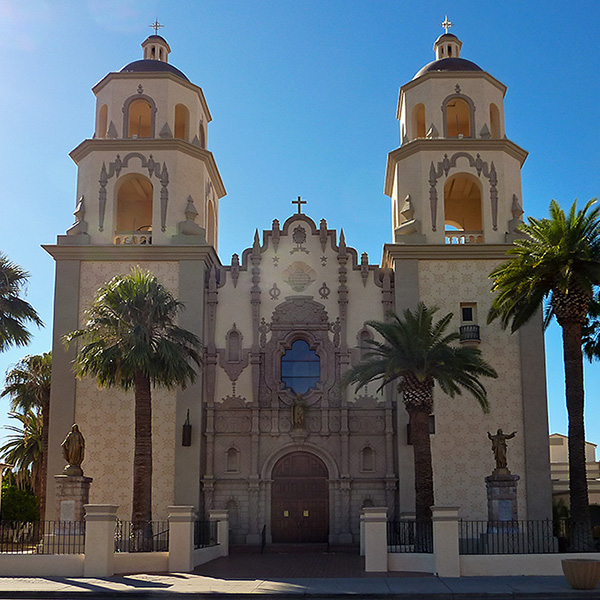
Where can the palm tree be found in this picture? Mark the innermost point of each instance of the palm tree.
(14, 311)
(130, 340)
(23, 450)
(415, 354)
(28, 387)
(557, 263)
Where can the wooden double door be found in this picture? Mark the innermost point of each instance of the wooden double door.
(300, 499)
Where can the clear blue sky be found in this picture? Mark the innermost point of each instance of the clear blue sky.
(303, 96)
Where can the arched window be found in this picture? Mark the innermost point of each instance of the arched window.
(494, 121)
(300, 368)
(102, 122)
(364, 336)
(458, 117)
(462, 204)
(134, 209)
(182, 120)
(418, 121)
(211, 225)
(139, 119)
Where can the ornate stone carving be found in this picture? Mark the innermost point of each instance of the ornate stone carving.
(323, 234)
(432, 133)
(444, 166)
(299, 238)
(165, 132)
(366, 424)
(235, 269)
(154, 169)
(364, 268)
(484, 133)
(275, 234)
(232, 424)
(263, 329)
(324, 291)
(80, 225)
(275, 292)
(299, 276)
(189, 226)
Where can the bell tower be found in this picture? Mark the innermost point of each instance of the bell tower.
(146, 177)
(456, 177)
(148, 192)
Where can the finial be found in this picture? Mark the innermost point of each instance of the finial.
(156, 26)
(299, 202)
(446, 24)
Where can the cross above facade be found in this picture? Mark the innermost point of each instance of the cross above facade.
(446, 24)
(299, 202)
(156, 26)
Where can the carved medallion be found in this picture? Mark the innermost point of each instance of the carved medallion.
(299, 276)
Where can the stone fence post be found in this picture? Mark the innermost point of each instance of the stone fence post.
(445, 540)
(181, 538)
(222, 518)
(375, 542)
(100, 522)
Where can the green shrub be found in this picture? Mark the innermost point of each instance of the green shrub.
(18, 505)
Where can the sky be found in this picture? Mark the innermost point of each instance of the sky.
(303, 97)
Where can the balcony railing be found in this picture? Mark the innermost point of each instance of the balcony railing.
(133, 238)
(464, 237)
(469, 333)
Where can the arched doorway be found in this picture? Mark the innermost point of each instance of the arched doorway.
(300, 499)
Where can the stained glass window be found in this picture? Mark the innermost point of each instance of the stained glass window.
(300, 367)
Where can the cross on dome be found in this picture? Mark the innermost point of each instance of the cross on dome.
(446, 24)
(299, 202)
(156, 26)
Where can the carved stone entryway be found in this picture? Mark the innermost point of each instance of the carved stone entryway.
(300, 499)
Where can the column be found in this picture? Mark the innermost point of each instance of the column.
(375, 543)
(222, 519)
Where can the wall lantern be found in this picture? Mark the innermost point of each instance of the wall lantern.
(186, 434)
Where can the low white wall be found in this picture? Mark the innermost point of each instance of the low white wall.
(41, 565)
(409, 561)
(517, 564)
(204, 555)
(141, 562)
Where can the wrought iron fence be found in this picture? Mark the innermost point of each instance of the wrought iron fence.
(205, 534)
(410, 536)
(521, 537)
(42, 537)
(145, 536)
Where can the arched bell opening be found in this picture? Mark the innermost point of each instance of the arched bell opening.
(494, 121)
(462, 209)
(134, 210)
(182, 122)
(458, 117)
(102, 127)
(418, 121)
(139, 119)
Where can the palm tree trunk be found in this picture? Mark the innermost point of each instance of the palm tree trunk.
(44, 462)
(142, 462)
(578, 488)
(419, 433)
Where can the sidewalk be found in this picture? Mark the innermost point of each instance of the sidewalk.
(192, 586)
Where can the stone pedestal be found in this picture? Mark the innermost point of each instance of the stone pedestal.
(72, 492)
(502, 495)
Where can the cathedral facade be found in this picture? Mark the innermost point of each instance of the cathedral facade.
(276, 440)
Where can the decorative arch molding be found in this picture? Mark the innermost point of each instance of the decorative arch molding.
(114, 170)
(321, 453)
(300, 318)
(125, 109)
(481, 167)
(458, 95)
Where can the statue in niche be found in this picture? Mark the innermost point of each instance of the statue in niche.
(73, 451)
(499, 447)
(298, 412)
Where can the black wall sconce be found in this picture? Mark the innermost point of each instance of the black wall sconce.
(186, 434)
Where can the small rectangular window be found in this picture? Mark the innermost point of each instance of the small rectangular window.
(468, 312)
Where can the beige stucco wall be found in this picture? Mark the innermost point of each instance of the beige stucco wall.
(106, 416)
(462, 455)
